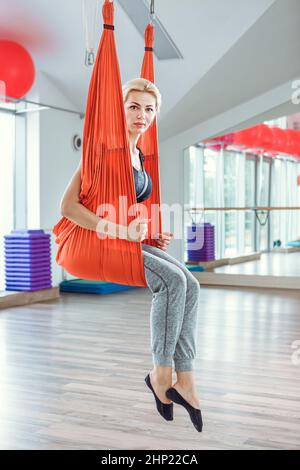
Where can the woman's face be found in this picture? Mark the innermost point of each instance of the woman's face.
(139, 109)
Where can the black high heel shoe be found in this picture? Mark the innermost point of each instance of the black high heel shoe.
(164, 409)
(195, 413)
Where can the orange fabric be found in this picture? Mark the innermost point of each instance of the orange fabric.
(148, 143)
(107, 174)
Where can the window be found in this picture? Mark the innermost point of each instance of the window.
(7, 165)
(263, 199)
(285, 225)
(249, 202)
(193, 190)
(240, 179)
(210, 166)
(230, 200)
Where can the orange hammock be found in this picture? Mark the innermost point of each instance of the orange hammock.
(107, 177)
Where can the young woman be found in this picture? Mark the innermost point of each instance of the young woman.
(175, 302)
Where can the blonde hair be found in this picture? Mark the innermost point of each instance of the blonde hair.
(141, 84)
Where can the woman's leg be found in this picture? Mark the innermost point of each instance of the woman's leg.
(186, 344)
(185, 351)
(168, 286)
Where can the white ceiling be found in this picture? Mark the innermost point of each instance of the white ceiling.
(233, 50)
(265, 56)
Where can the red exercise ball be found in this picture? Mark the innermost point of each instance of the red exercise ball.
(292, 144)
(244, 137)
(257, 136)
(297, 143)
(215, 147)
(16, 68)
(215, 142)
(264, 137)
(225, 138)
(228, 138)
(279, 139)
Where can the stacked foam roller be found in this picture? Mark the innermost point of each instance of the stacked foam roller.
(27, 260)
(201, 242)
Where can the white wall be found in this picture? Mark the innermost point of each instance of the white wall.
(50, 149)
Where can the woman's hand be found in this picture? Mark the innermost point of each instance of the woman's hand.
(164, 240)
(137, 229)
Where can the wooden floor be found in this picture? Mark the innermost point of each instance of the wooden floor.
(72, 373)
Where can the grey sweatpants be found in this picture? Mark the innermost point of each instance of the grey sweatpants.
(174, 309)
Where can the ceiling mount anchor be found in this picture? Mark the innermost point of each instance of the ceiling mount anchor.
(152, 13)
(89, 58)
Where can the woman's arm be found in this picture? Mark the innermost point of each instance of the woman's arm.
(72, 209)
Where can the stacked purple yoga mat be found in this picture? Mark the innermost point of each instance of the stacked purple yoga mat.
(201, 242)
(27, 260)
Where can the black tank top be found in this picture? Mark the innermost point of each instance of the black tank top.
(142, 180)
